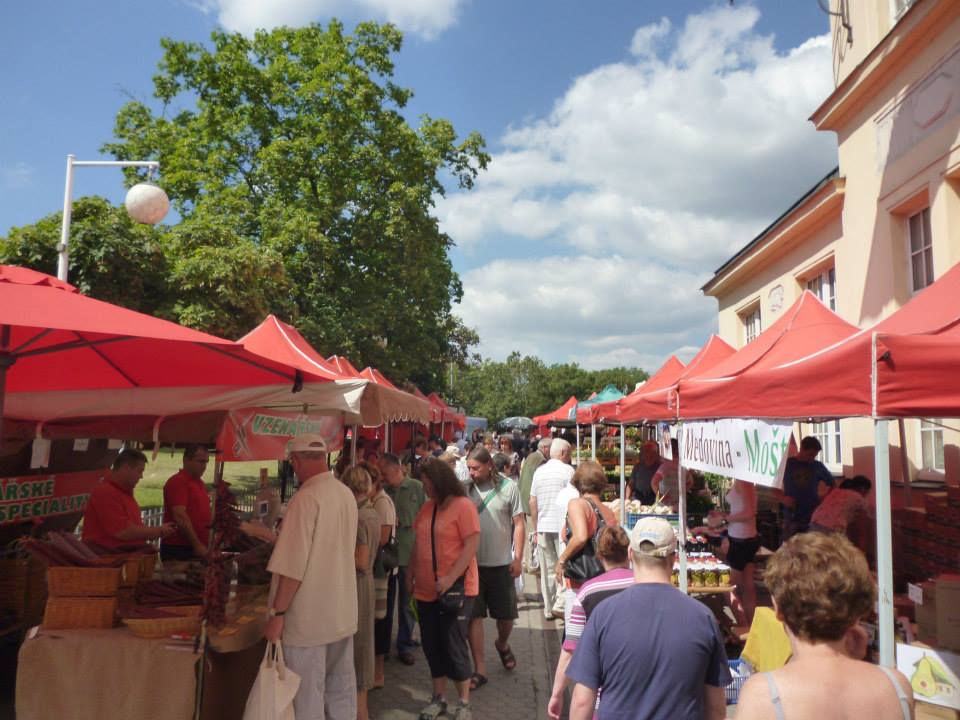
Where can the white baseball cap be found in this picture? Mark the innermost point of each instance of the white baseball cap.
(655, 532)
(311, 442)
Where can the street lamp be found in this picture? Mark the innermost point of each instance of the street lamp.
(146, 203)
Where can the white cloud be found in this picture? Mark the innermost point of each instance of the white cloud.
(668, 162)
(424, 17)
(17, 176)
(595, 311)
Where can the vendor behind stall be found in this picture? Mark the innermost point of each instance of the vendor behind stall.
(187, 503)
(112, 517)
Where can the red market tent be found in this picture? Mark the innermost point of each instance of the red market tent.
(60, 350)
(374, 375)
(665, 377)
(561, 414)
(728, 389)
(904, 366)
(660, 404)
(378, 403)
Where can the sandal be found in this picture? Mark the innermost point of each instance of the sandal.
(506, 657)
(477, 681)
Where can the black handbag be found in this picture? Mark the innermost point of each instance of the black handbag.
(388, 558)
(450, 601)
(584, 564)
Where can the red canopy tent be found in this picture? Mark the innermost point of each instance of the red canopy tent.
(379, 403)
(59, 350)
(729, 388)
(660, 404)
(666, 376)
(561, 414)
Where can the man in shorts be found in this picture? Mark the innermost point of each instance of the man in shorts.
(499, 559)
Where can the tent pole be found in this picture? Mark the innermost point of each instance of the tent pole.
(387, 438)
(682, 511)
(353, 447)
(7, 359)
(593, 441)
(576, 455)
(881, 449)
(904, 464)
(623, 479)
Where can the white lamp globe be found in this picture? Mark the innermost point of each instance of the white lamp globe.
(147, 203)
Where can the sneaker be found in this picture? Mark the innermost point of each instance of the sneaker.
(435, 709)
(462, 711)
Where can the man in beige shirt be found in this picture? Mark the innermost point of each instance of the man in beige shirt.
(313, 605)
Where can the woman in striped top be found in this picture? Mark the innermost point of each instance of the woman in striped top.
(612, 545)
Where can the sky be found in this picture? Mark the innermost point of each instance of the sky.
(636, 144)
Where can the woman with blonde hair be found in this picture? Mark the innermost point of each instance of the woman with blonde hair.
(357, 479)
(822, 587)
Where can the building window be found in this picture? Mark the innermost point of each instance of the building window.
(931, 444)
(899, 7)
(921, 250)
(824, 286)
(828, 433)
(751, 325)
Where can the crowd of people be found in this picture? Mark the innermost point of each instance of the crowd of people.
(441, 537)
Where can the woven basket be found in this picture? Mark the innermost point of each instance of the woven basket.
(82, 582)
(76, 613)
(163, 627)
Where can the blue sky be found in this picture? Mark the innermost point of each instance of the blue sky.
(636, 143)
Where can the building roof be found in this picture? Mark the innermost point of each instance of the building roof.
(769, 230)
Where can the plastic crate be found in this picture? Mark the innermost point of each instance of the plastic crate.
(743, 671)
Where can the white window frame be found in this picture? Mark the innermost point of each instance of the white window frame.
(925, 253)
(824, 286)
(931, 427)
(752, 324)
(830, 435)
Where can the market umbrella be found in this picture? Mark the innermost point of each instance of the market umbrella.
(53, 338)
(517, 421)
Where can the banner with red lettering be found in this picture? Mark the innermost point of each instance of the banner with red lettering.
(261, 434)
(39, 496)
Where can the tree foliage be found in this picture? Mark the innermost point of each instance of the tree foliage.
(524, 385)
(302, 190)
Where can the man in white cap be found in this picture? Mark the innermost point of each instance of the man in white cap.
(671, 665)
(313, 596)
(461, 469)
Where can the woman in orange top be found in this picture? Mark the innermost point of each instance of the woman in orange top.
(446, 537)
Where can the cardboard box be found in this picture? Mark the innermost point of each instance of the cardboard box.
(948, 612)
(926, 711)
(925, 611)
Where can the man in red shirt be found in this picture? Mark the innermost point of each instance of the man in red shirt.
(111, 518)
(186, 503)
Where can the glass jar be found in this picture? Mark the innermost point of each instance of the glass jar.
(724, 571)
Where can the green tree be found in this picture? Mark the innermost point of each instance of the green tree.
(112, 257)
(294, 142)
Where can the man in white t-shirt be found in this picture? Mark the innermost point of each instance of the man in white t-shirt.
(549, 479)
(313, 596)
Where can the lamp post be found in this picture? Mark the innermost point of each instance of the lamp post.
(146, 203)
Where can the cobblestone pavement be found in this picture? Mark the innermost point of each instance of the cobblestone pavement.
(518, 695)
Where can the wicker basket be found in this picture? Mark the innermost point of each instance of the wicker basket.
(163, 627)
(82, 582)
(75, 613)
(23, 588)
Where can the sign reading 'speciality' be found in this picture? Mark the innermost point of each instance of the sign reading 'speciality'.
(750, 450)
(33, 497)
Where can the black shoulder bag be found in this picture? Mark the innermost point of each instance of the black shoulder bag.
(450, 601)
(584, 564)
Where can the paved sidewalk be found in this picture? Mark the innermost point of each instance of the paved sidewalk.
(518, 695)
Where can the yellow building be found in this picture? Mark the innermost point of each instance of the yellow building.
(885, 223)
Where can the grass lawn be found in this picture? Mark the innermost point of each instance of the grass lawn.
(243, 477)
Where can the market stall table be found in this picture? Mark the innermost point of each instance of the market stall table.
(97, 674)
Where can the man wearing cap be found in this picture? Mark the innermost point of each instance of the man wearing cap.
(671, 665)
(313, 596)
(461, 470)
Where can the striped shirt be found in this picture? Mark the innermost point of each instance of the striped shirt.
(589, 596)
(549, 479)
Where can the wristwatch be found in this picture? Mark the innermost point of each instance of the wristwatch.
(273, 612)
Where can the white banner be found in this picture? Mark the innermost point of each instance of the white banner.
(751, 450)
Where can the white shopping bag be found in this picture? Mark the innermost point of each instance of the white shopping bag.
(271, 697)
